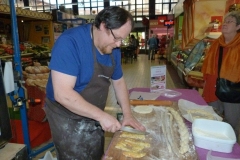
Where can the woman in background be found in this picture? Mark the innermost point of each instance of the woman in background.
(230, 68)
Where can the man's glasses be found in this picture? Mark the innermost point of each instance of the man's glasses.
(228, 22)
(116, 39)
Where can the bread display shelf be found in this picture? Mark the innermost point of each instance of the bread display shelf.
(22, 55)
(169, 136)
(36, 75)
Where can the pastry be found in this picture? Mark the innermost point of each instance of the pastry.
(132, 135)
(134, 154)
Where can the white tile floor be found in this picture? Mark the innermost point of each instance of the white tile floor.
(136, 74)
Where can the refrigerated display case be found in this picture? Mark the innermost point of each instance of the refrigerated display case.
(188, 62)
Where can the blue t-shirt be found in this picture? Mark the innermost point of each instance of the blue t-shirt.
(72, 55)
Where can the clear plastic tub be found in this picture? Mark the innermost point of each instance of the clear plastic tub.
(213, 135)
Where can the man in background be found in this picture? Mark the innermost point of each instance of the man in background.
(152, 43)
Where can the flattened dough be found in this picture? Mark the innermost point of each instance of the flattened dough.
(131, 145)
(132, 135)
(134, 154)
(143, 109)
(134, 142)
(199, 113)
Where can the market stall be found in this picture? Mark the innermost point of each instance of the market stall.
(157, 143)
(24, 130)
(195, 26)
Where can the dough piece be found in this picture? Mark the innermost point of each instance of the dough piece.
(132, 135)
(183, 131)
(134, 154)
(133, 142)
(170, 134)
(132, 145)
(199, 113)
(121, 145)
(137, 148)
(143, 109)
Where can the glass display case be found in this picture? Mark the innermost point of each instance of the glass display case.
(188, 62)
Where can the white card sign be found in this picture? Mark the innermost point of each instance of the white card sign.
(158, 78)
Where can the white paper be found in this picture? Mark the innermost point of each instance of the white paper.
(48, 156)
(185, 105)
(8, 77)
(144, 95)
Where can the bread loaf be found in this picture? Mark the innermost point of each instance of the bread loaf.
(30, 82)
(37, 64)
(41, 83)
(44, 69)
(37, 75)
(31, 76)
(37, 69)
(29, 69)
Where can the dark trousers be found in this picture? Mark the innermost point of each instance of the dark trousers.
(231, 112)
(151, 54)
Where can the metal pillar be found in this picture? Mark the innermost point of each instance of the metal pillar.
(18, 69)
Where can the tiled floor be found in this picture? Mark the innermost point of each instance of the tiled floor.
(136, 74)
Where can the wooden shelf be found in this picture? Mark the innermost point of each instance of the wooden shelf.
(11, 150)
(22, 55)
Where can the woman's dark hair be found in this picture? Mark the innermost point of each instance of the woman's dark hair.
(113, 17)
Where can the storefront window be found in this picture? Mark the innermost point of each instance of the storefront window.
(81, 11)
(100, 8)
(145, 10)
(172, 5)
(87, 11)
(133, 2)
(100, 3)
(117, 3)
(132, 9)
(138, 8)
(166, 8)
(86, 5)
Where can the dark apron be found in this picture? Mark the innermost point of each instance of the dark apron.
(76, 137)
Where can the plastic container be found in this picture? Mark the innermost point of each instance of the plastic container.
(213, 135)
(211, 157)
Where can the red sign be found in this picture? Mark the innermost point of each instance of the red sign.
(217, 19)
(168, 23)
(161, 20)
